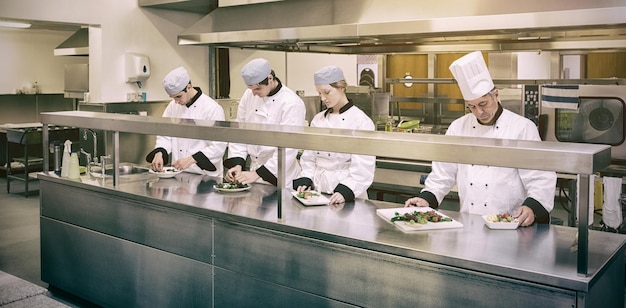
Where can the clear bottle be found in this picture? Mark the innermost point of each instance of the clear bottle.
(74, 167)
(389, 124)
(65, 165)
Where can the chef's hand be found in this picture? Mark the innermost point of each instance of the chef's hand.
(232, 173)
(157, 162)
(246, 177)
(183, 163)
(336, 198)
(302, 188)
(525, 216)
(416, 201)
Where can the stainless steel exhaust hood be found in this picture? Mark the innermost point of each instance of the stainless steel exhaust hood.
(75, 45)
(398, 26)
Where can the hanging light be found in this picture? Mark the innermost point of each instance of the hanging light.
(14, 24)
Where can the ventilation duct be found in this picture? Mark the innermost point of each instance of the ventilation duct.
(389, 26)
(75, 45)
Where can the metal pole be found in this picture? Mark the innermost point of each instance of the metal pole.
(583, 223)
(116, 157)
(281, 180)
(46, 148)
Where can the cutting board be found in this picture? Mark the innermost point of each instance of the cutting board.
(387, 214)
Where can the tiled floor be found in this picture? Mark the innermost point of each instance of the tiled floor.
(20, 250)
(19, 241)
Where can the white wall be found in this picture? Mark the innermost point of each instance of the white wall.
(122, 27)
(294, 69)
(27, 57)
(533, 65)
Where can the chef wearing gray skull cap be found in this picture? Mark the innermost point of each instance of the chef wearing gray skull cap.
(268, 101)
(528, 195)
(190, 155)
(343, 175)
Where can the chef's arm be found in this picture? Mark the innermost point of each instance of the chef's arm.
(303, 181)
(214, 150)
(267, 175)
(541, 214)
(345, 191)
(150, 156)
(430, 198)
(235, 161)
(203, 162)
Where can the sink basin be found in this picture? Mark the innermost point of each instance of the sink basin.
(124, 169)
(127, 169)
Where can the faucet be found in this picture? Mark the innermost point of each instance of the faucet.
(88, 158)
(94, 137)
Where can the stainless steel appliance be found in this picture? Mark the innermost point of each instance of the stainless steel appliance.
(599, 119)
(76, 80)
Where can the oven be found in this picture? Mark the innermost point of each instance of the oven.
(584, 114)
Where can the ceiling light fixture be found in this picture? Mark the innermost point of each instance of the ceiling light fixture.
(14, 24)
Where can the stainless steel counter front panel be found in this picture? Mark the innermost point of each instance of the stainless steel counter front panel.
(532, 253)
(119, 273)
(136, 221)
(343, 253)
(367, 278)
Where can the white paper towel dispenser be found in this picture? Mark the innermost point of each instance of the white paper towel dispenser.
(137, 67)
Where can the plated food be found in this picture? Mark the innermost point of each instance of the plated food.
(231, 187)
(409, 219)
(501, 221)
(168, 172)
(310, 197)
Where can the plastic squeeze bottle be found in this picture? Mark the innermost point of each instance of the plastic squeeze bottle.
(65, 165)
(74, 168)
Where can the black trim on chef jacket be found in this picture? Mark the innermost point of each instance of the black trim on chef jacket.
(262, 171)
(541, 215)
(343, 109)
(201, 160)
(430, 197)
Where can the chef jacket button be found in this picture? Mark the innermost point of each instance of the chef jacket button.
(486, 185)
(255, 110)
(472, 203)
(485, 204)
(328, 154)
(471, 184)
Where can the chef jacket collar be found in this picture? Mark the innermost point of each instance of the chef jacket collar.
(195, 98)
(278, 87)
(342, 109)
(495, 118)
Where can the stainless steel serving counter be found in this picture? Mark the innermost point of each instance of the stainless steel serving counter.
(579, 159)
(341, 254)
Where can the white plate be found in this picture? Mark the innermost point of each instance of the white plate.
(231, 189)
(316, 199)
(405, 226)
(168, 172)
(501, 225)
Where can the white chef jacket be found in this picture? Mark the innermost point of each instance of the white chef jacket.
(283, 108)
(328, 169)
(204, 108)
(488, 189)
